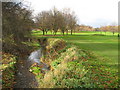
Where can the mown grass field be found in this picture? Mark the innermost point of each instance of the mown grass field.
(105, 47)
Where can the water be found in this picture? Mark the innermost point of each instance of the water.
(24, 78)
(35, 56)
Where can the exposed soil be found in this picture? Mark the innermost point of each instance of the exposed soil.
(24, 78)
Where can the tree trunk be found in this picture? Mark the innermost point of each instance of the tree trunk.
(67, 32)
(51, 32)
(43, 32)
(46, 32)
(54, 33)
(74, 31)
(63, 33)
(113, 33)
(71, 32)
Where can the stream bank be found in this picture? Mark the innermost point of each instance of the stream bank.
(24, 79)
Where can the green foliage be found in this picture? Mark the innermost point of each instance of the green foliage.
(55, 63)
(35, 70)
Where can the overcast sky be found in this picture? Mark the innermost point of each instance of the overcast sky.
(95, 13)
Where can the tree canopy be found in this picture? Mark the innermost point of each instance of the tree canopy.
(56, 20)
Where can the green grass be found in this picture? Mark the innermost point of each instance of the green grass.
(103, 47)
(79, 33)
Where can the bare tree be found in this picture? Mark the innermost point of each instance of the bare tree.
(55, 19)
(71, 21)
(114, 28)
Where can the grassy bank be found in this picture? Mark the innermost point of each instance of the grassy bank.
(73, 67)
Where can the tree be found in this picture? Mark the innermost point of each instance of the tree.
(55, 19)
(104, 28)
(114, 28)
(17, 24)
(111, 28)
(45, 21)
(71, 21)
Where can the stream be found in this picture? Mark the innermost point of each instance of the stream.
(24, 78)
(35, 56)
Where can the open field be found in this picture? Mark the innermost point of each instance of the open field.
(105, 46)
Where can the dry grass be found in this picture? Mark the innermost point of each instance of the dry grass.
(60, 70)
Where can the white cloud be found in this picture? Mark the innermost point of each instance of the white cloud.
(89, 12)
